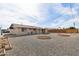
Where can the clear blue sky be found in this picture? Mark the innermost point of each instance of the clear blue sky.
(52, 15)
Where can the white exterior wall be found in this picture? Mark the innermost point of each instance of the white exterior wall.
(18, 31)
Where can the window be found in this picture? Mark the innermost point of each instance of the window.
(22, 29)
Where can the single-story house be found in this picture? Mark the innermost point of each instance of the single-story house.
(26, 29)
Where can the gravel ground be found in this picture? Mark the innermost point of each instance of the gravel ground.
(56, 46)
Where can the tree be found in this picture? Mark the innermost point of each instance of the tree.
(72, 28)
